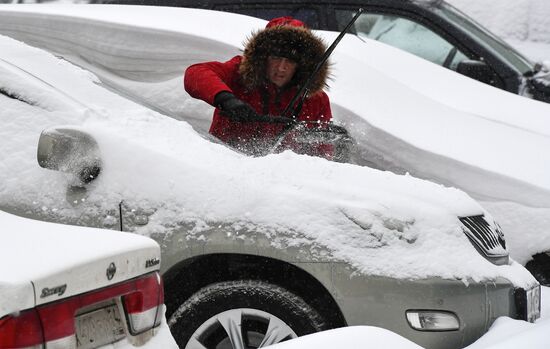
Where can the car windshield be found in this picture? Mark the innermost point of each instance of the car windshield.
(505, 51)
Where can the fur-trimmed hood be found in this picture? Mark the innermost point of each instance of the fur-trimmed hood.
(295, 42)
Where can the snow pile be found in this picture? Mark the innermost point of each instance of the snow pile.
(506, 333)
(362, 216)
(350, 337)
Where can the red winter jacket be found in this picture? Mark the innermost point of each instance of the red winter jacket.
(205, 80)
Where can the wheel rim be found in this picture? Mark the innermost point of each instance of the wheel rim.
(240, 329)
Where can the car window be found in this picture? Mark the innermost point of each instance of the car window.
(307, 15)
(405, 34)
(486, 38)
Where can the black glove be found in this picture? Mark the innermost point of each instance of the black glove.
(234, 108)
(281, 120)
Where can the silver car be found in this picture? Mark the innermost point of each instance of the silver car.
(241, 284)
(244, 264)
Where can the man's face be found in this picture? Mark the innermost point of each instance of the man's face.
(280, 70)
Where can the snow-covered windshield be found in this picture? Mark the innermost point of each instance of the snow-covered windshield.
(505, 51)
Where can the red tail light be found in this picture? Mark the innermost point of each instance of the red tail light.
(54, 321)
(22, 331)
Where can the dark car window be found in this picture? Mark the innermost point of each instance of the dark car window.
(405, 34)
(486, 38)
(305, 14)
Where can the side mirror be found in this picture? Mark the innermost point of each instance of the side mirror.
(477, 70)
(69, 150)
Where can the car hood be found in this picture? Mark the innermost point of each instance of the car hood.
(42, 262)
(376, 221)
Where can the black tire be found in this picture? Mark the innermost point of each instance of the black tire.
(254, 301)
(539, 266)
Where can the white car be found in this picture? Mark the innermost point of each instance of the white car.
(74, 287)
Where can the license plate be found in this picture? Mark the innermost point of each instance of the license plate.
(99, 327)
(533, 303)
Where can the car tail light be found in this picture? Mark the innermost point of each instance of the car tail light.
(21, 331)
(142, 298)
(142, 307)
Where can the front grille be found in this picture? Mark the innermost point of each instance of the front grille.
(487, 238)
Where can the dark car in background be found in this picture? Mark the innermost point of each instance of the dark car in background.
(431, 29)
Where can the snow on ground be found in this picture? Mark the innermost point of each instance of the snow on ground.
(438, 129)
(163, 339)
(506, 333)
(350, 337)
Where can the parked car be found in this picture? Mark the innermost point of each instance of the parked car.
(74, 287)
(431, 29)
(255, 250)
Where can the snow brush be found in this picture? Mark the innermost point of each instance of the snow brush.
(291, 111)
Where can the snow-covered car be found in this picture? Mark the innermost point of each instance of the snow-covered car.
(431, 29)
(73, 287)
(405, 114)
(255, 250)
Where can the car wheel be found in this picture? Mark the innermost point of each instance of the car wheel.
(539, 266)
(242, 314)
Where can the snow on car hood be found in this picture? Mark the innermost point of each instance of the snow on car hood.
(378, 222)
(42, 262)
(379, 92)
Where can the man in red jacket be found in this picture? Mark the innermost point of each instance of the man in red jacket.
(276, 62)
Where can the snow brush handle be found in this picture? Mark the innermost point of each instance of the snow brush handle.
(291, 111)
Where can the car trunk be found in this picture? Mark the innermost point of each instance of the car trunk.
(38, 268)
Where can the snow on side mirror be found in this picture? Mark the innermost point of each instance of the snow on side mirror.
(69, 150)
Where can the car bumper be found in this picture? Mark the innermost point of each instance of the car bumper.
(162, 339)
(383, 302)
